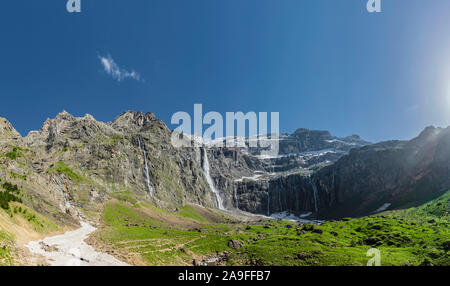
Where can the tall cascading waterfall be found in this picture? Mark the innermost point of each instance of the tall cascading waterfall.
(205, 167)
(315, 194)
(150, 188)
(268, 203)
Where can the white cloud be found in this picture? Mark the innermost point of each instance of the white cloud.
(116, 72)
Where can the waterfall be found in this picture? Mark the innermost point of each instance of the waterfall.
(279, 200)
(315, 193)
(236, 199)
(219, 202)
(268, 203)
(146, 171)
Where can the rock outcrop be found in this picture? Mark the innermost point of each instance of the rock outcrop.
(78, 162)
(7, 131)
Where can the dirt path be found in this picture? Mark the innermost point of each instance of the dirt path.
(70, 249)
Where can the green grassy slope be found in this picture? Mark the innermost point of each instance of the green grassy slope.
(418, 236)
(6, 249)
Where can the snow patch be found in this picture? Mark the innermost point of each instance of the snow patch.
(253, 178)
(69, 249)
(291, 217)
(383, 207)
(303, 154)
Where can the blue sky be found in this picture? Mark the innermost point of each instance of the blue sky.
(322, 64)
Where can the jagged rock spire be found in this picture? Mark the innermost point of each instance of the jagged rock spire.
(7, 131)
(138, 118)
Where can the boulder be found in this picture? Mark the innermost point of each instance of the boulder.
(235, 244)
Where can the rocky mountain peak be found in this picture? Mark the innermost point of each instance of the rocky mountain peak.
(304, 133)
(64, 115)
(430, 131)
(132, 119)
(59, 123)
(353, 137)
(428, 134)
(7, 131)
(138, 118)
(52, 128)
(88, 117)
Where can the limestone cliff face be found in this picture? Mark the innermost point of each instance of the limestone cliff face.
(304, 140)
(396, 174)
(250, 180)
(77, 163)
(84, 162)
(401, 174)
(74, 164)
(293, 193)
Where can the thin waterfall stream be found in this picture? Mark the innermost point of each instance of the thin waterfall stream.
(315, 194)
(206, 171)
(150, 189)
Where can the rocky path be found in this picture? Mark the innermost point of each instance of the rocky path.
(69, 249)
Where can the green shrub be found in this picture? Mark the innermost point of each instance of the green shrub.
(10, 194)
(14, 154)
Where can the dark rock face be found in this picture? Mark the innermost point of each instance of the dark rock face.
(397, 173)
(301, 152)
(302, 149)
(304, 140)
(132, 119)
(402, 174)
(306, 160)
(133, 154)
(293, 193)
(227, 164)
